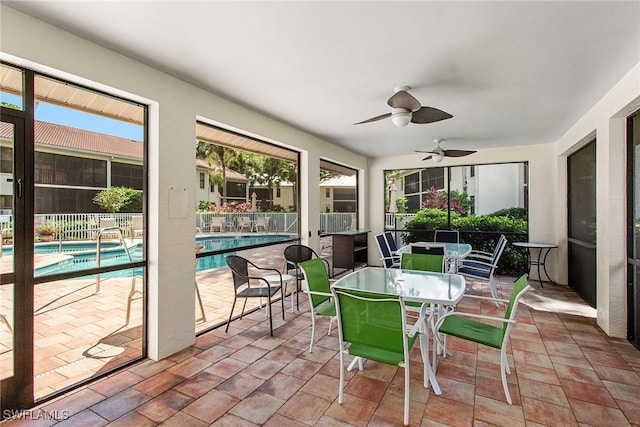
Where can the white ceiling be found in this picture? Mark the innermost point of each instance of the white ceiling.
(511, 73)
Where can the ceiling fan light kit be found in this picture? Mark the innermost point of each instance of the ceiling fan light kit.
(400, 117)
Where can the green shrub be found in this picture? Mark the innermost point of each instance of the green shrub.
(480, 231)
(519, 213)
(119, 199)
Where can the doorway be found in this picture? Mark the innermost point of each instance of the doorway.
(67, 279)
(581, 169)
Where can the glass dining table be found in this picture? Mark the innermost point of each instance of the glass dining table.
(425, 287)
(453, 252)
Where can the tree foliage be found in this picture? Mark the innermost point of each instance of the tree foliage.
(460, 201)
(119, 199)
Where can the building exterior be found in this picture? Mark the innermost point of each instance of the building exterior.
(490, 187)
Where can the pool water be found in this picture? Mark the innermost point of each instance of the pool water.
(67, 247)
(83, 255)
(216, 243)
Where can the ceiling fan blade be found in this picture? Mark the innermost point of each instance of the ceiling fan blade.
(423, 151)
(373, 119)
(427, 158)
(402, 99)
(458, 153)
(429, 115)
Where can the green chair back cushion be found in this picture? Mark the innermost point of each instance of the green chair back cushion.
(518, 287)
(373, 325)
(317, 280)
(423, 262)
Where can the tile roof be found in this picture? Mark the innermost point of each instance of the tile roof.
(82, 140)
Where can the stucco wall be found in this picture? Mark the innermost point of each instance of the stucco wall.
(606, 120)
(174, 107)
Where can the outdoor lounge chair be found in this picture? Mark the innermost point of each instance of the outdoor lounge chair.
(217, 223)
(136, 226)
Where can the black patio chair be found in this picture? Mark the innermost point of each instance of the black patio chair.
(262, 285)
(294, 254)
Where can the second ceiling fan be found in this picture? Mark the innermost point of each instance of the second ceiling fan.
(406, 109)
(438, 153)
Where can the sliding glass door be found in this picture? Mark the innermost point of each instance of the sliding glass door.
(72, 264)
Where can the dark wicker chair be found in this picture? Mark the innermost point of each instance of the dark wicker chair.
(295, 254)
(261, 288)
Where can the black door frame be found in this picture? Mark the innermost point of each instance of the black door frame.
(580, 246)
(16, 392)
(633, 256)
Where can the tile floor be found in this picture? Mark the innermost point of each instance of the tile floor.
(565, 371)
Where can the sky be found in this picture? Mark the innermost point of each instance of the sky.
(77, 119)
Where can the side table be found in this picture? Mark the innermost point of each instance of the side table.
(274, 279)
(543, 252)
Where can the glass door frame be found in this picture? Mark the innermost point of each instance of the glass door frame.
(16, 392)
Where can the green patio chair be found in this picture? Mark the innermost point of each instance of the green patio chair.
(316, 284)
(373, 327)
(423, 262)
(463, 326)
(426, 259)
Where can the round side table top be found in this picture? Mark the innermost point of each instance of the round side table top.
(535, 245)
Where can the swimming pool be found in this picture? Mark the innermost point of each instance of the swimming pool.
(67, 247)
(83, 254)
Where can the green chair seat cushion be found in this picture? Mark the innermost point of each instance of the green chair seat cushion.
(327, 309)
(378, 354)
(469, 329)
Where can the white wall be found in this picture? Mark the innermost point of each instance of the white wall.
(605, 120)
(174, 107)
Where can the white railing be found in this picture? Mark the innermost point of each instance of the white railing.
(397, 221)
(84, 226)
(333, 222)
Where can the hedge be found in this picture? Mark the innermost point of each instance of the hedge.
(480, 231)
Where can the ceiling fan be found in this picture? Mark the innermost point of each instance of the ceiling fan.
(438, 153)
(405, 108)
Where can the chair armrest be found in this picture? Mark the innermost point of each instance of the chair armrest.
(472, 257)
(437, 325)
(481, 253)
(275, 270)
(485, 298)
(325, 294)
(483, 263)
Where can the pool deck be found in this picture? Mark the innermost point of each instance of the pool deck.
(80, 333)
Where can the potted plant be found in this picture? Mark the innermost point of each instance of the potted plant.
(46, 232)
